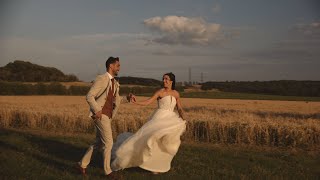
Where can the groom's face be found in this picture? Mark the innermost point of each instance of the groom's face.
(115, 68)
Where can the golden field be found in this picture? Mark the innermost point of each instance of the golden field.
(252, 122)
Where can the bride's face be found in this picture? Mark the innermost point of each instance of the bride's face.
(167, 83)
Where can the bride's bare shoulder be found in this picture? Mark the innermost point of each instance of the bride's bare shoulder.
(176, 94)
(158, 92)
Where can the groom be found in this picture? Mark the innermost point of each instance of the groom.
(104, 100)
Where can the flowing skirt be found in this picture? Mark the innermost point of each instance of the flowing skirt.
(153, 146)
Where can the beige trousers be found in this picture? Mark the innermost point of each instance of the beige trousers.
(104, 141)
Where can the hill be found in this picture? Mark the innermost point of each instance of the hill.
(28, 72)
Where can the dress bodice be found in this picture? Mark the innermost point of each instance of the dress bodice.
(167, 103)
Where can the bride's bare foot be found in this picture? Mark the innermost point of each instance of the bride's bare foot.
(155, 172)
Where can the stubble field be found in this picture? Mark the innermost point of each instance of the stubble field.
(293, 124)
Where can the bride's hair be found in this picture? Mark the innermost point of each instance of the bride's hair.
(172, 78)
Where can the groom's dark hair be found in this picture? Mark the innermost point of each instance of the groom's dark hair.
(172, 78)
(111, 60)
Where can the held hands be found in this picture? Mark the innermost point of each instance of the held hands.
(131, 98)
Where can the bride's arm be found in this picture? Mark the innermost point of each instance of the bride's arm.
(148, 101)
(179, 107)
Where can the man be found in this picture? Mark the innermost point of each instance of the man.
(104, 100)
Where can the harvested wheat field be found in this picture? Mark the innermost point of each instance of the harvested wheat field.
(252, 122)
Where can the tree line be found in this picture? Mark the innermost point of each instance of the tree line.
(56, 88)
(282, 87)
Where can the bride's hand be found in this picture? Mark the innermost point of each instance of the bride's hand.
(133, 99)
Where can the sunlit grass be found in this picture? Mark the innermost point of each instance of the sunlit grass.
(217, 121)
(30, 154)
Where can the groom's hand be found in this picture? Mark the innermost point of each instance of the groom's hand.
(131, 97)
(98, 115)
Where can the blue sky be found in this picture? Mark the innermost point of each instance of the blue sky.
(225, 40)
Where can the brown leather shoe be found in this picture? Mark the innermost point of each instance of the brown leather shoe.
(114, 175)
(81, 169)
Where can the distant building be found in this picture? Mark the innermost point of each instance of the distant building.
(179, 84)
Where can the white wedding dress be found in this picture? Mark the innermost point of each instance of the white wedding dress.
(155, 144)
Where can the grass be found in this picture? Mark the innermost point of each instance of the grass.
(36, 154)
(230, 95)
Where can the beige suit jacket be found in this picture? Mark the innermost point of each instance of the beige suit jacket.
(97, 94)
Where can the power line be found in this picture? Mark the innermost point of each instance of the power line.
(189, 75)
(201, 77)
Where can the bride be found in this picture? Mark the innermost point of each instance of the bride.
(155, 144)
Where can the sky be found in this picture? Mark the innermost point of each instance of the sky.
(247, 40)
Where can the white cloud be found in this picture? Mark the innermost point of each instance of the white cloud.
(185, 31)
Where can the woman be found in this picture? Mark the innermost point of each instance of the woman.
(155, 144)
